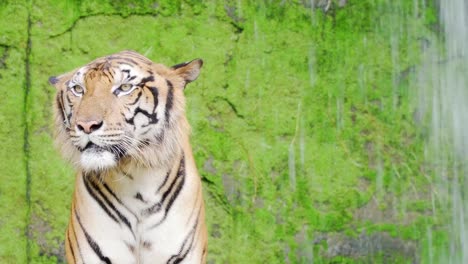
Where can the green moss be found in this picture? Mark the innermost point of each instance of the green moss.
(300, 118)
(13, 199)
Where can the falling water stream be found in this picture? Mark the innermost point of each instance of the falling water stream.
(443, 83)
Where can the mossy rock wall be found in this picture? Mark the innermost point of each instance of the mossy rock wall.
(302, 122)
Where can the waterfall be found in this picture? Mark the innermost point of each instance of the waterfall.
(443, 96)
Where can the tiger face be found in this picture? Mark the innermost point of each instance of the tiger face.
(122, 107)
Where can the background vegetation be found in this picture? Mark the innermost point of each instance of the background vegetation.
(304, 126)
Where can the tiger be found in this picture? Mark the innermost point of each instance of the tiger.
(120, 121)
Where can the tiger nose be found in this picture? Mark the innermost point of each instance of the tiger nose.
(89, 126)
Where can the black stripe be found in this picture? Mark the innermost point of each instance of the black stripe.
(159, 137)
(137, 99)
(157, 206)
(111, 73)
(179, 181)
(153, 119)
(180, 65)
(124, 63)
(154, 208)
(169, 100)
(148, 129)
(130, 60)
(175, 259)
(69, 116)
(180, 256)
(70, 246)
(108, 74)
(59, 99)
(164, 182)
(154, 92)
(173, 183)
(112, 193)
(117, 198)
(68, 99)
(92, 243)
(76, 239)
(145, 80)
(65, 120)
(99, 201)
(180, 175)
(109, 204)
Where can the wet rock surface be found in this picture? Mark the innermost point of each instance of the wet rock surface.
(367, 247)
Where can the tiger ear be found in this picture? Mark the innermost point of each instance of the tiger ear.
(189, 71)
(55, 80)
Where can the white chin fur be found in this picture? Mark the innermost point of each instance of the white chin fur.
(96, 161)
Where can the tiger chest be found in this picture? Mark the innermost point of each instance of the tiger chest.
(153, 204)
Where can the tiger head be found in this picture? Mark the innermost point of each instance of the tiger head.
(122, 108)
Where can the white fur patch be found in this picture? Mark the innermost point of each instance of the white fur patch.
(92, 160)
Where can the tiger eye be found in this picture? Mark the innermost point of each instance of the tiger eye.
(125, 87)
(77, 89)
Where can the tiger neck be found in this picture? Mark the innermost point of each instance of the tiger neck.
(134, 175)
(138, 188)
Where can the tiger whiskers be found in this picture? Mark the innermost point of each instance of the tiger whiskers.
(133, 147)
